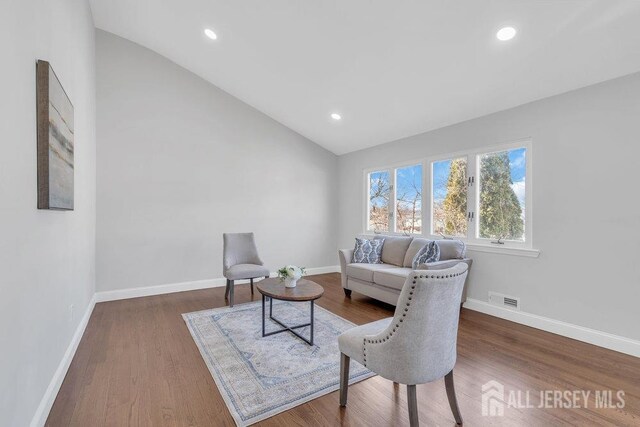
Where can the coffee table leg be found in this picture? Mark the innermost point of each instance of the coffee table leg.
(271, 308)
(311, 340)
(263, 315)
(287, 328)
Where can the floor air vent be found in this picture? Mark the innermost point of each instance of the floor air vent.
(502, 300)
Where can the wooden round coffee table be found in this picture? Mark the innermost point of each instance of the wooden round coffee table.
(305, 290)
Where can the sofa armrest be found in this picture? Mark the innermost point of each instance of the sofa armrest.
(345, 256)
(441, 265)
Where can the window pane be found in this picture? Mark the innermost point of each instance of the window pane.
(409, 199)
(379, 195)
(449, 195)
(502, 195)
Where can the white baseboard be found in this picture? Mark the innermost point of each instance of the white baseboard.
(40, 417)
(145, 291)
(580, 333)
(323, 270)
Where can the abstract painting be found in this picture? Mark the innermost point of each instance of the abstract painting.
(55, 141)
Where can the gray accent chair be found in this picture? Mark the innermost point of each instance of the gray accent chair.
(418, 344)
(241, 261)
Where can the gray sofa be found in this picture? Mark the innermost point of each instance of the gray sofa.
(384, 281)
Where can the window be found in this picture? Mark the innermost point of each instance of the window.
(379, 196)
(409, 199)
(394, 200)
(481, 196)
(449, 197)
(502, 195)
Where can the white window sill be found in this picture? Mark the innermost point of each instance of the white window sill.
(494, 249)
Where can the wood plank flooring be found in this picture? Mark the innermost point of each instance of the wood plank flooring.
(138, 366)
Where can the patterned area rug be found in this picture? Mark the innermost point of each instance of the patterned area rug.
(261, 377)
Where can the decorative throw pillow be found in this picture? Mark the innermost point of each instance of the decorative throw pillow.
(367, 251)
(429, 253)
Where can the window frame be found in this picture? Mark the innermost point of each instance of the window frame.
(367, 192)
(430, 161)
(392, 170)
(526, 244)
(473, 200)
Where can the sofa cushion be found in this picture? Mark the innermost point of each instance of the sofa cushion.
(365, 271)
(367, 251)
(416, 244)
(451, 249)
(394, 249)
(393, 278)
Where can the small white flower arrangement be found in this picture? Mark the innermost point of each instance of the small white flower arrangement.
(290, 275)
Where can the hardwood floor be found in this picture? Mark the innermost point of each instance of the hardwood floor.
(137, 365)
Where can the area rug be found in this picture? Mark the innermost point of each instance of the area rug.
(261, 377)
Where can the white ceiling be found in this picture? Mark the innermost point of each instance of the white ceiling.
(390, 68)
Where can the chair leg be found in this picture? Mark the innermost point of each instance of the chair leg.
(226, 291)
(251, 286)
(344, 378)
(451, 395)
(413, 405)
(231, 286)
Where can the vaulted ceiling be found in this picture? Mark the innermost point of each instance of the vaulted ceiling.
(390, 68)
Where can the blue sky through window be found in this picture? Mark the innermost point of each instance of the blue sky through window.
(440, 177)
(518, 166)
(409, 183)
(517, 162)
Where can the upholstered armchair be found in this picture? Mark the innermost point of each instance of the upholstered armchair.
(418, 344)
(240, 261)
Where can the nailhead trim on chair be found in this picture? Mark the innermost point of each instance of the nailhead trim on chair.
(406, 310)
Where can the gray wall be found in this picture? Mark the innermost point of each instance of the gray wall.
(180, 162)
(47, 258)
(586, 209)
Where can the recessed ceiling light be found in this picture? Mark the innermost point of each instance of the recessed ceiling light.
(506, 33)
(336, 116)
(209, 33)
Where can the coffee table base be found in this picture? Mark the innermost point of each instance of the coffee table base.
(286, 328)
